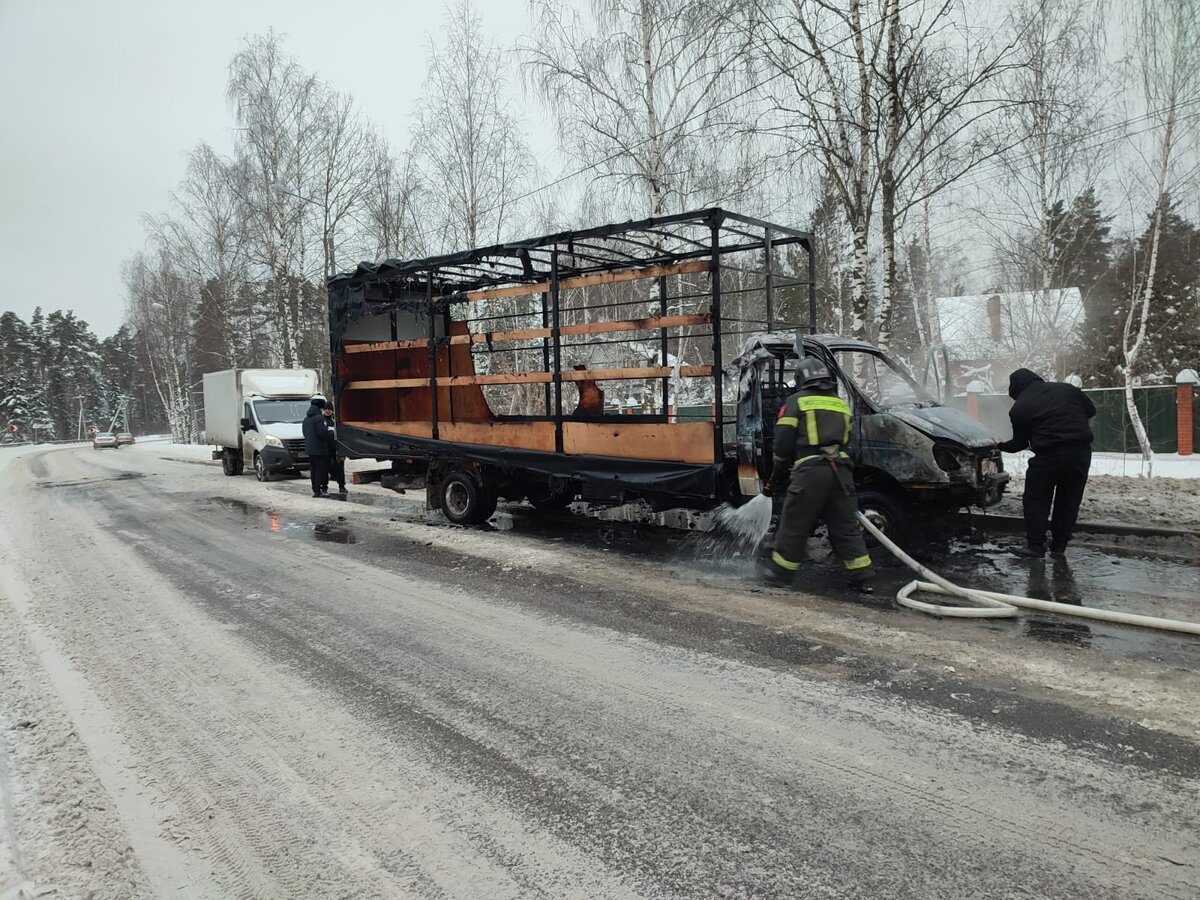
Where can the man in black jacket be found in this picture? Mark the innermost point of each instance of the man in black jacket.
(1053, 421)
(316, 445)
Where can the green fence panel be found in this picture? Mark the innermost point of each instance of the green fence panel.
(703, 413)
(1112, 429)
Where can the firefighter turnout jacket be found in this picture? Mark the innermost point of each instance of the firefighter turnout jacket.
(812, 425)
(811, 436)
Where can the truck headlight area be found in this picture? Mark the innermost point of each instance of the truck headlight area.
(272, 441)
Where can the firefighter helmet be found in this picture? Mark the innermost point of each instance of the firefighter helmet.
(813, 375)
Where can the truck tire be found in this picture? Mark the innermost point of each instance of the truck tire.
(464, 500)
(231, 463)
(260, 468)
(886, 512)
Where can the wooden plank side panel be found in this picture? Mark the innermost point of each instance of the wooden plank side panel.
(682, 442)
(535, 377)
(617, 277)
(650, 323)
(409, 429)
(520, 435)
(635, 374)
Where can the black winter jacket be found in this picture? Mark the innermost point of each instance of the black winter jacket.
(1047, 416)
(316, 432)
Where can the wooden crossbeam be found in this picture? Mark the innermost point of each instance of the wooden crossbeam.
(647, 324)
(535, 377)
(578, 281)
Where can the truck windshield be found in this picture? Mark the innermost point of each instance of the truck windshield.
(882, 381)
(273, 412)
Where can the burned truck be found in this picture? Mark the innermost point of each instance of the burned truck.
(913, 456)
(637, 361)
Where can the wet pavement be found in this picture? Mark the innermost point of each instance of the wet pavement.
(1106, 578)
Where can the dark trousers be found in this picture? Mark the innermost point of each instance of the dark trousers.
(318, 473)
(337, 471)
(819, 491)
(1056, 477)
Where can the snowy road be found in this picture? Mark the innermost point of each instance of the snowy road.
(211, 687)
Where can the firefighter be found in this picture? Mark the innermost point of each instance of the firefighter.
(811, 463)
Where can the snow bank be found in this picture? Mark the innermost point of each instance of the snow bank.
(1166, 465)
(9, 452)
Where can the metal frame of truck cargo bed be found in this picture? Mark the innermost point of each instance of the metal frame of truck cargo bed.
(654, 249)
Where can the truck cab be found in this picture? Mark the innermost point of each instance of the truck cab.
(914, 458)
(272, 434)
(255, 417)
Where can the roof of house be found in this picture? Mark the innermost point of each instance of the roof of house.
(965, 325)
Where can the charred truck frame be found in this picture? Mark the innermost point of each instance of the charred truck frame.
(491, 373)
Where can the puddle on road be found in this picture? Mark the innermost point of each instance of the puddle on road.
(274, 521)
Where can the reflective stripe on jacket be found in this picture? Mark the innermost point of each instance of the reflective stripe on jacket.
(811, 425)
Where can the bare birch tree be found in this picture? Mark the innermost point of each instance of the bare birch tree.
(1058, 93)
(278, 106)
(395, 200)
(205, 235)
(1168, 34)
(342, 173)
(891, 98)
(824, 59)
(938, 117)
(639, 93)
(471, 147)
(160, 302)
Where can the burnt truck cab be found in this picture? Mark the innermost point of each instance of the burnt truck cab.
(914, 458)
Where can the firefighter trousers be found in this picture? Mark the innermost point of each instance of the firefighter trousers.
(822, 490)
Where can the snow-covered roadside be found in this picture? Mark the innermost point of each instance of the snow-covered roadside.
(10, 452)
(1130, 465)
(1117, 491)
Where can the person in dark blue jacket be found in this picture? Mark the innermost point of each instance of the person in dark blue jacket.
(316, 445)
(1052, 420)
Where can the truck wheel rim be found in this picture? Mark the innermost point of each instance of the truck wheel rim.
(457, 499)
(879, 519)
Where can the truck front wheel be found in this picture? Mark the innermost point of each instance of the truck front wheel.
(464, 500)
(260, 468)
(885, 512)
(231, 462)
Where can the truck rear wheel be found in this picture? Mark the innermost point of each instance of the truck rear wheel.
(464, 500)
(231, 462)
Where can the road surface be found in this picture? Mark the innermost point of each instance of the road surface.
(211, 687)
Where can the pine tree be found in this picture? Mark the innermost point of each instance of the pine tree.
(1083, 259)
(1173, 325)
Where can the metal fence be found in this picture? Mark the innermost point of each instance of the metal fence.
(1112, 428)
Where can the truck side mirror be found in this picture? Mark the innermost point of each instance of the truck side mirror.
(245, 425)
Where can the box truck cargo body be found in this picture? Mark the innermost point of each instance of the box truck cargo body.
(254, 417)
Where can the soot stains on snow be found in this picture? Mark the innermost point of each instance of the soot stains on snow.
(85, 482)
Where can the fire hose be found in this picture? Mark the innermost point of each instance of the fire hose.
(992, 605)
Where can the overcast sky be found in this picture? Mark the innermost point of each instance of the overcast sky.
(103, 99)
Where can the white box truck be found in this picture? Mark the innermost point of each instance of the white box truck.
(254, 416)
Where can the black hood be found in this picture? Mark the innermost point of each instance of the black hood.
(1021, 379)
